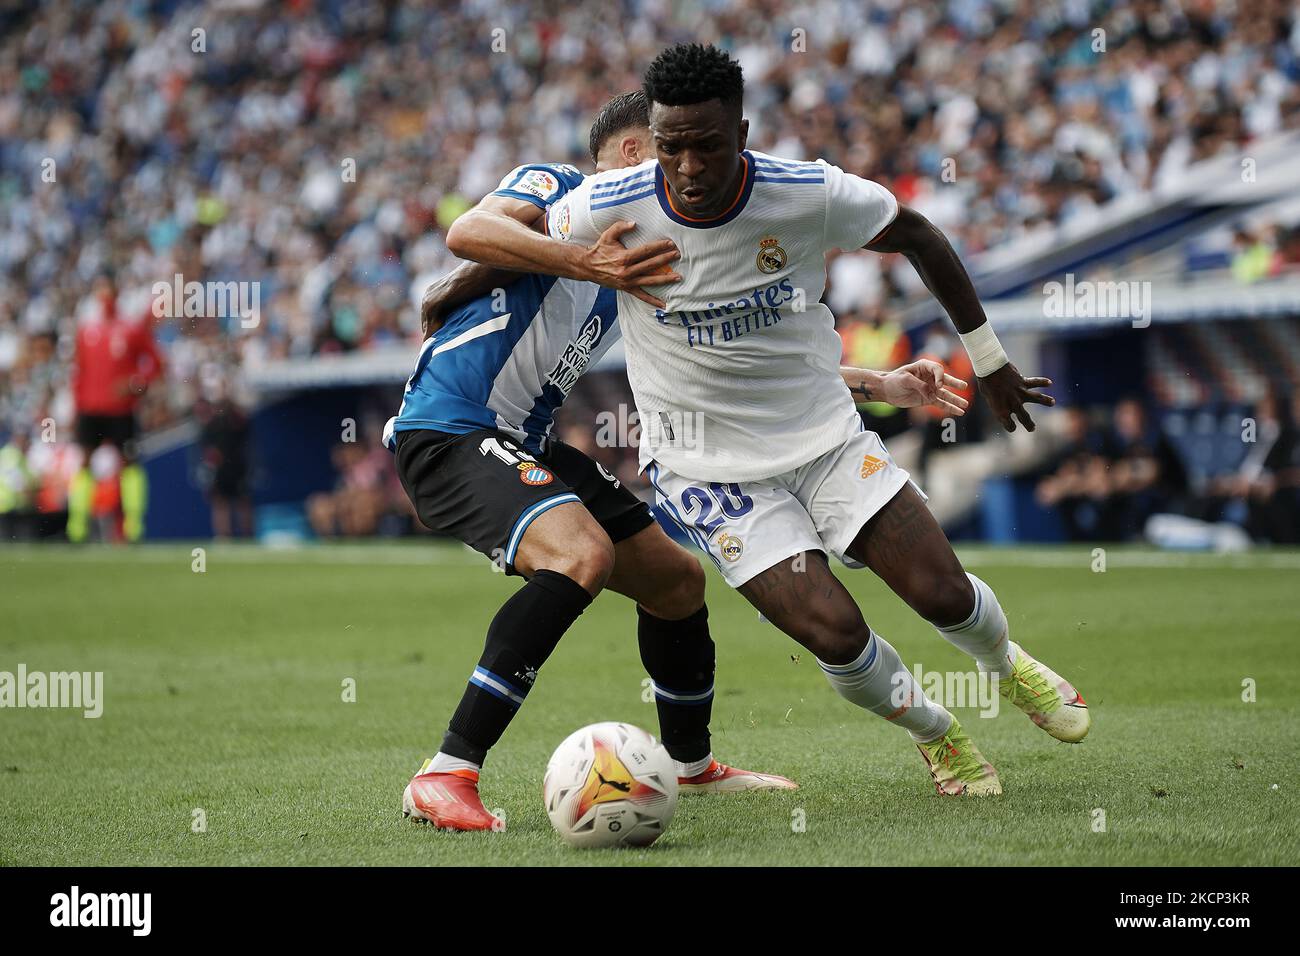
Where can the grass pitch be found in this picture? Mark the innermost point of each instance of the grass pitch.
(224, 703)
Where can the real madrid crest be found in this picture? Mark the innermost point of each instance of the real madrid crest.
(731, 546)
(771, 257)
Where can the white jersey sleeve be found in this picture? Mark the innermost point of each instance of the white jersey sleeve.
(857, 210)
(570, 218)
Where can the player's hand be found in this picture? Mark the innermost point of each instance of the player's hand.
(1007, 393)
(923, 382)
(611, 264)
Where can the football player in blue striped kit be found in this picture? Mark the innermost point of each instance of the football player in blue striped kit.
(477, 458)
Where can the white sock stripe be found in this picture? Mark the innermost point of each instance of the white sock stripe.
(661, 691)
(489, 681)
(879, 682)
(855, 666)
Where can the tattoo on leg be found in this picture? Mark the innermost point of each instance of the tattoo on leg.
(891, 539)
(781, 593)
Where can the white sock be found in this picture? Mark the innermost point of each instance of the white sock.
(877, 681)
(695, 767)
(984, 635)
(445, 763)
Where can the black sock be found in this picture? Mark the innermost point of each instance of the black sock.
(519, 640)
(679, 657)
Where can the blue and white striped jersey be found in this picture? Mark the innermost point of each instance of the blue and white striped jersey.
(509, 360)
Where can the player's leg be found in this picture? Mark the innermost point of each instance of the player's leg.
(803, 598)
(904, 545)
(766, 545)
(91, 431)
(678, 653)
(667, 584)
(133, 482)
(483, 489)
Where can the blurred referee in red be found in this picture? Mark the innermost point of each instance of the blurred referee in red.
(116, 360)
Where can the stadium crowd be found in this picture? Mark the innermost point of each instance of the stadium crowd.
(320, 148)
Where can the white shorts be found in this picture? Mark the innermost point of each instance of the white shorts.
(748, 527)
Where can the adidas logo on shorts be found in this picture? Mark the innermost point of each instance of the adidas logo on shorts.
(870, 465)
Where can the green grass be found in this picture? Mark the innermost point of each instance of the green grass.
(223, 691)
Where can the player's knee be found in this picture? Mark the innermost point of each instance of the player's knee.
(681, 591)
(836, 633)
(946, 599)
(588, 559)
(690, 585)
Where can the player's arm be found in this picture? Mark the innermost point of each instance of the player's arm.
(467, 282)
(523, 196)
(939, 267)
(492, 233)
(149, 361)
(923, 382)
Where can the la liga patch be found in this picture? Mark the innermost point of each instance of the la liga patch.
(539, 183)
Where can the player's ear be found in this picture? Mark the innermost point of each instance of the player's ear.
(630, 148)
(744, 134)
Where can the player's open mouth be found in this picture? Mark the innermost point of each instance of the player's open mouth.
(693, 194)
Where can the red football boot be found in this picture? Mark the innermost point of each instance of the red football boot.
(719, 778)
(449, 801)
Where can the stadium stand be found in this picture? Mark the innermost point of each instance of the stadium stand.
(170, 138)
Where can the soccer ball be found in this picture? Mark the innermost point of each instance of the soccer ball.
(610, 784)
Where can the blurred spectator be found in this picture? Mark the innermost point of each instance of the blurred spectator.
(1077, 486)
(1106, 483)
(1264, 494)
(875, 342)
(1145, 474)
(17, 490)
(943, 431)
(55, 465)
(367, 498)
(225, 472)
(1254, 257)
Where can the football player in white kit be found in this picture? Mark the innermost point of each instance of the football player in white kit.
(749, 434)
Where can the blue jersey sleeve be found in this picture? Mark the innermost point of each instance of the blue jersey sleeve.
(539, 183)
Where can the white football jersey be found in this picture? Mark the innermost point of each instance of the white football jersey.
(738, 378)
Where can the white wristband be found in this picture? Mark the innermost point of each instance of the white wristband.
(985, 351)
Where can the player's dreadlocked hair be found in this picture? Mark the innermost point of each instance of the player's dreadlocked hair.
(693, 73)
(625, 111)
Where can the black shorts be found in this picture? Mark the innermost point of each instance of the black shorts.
(485, 489)
(93, 429)
(230, 481)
